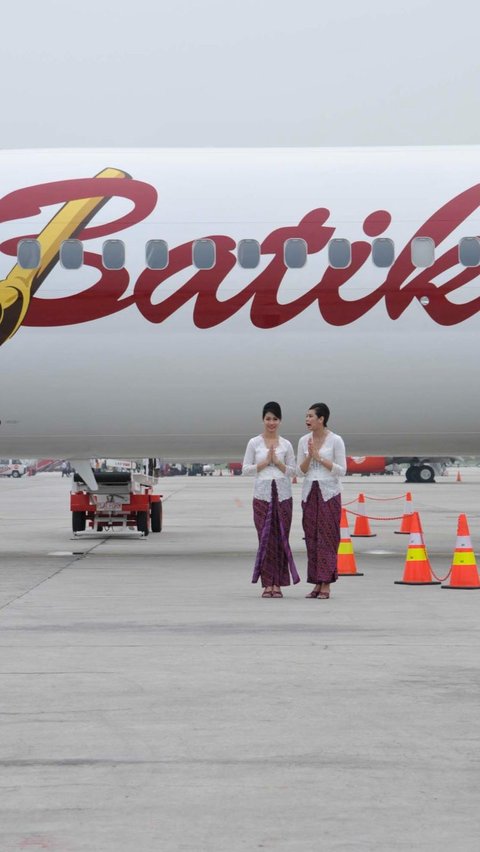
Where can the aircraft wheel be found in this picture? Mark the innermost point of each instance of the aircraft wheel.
(15, 474)
(156, 517)
(142, 522)
(79, 521)
(411, 474)
(426, 473)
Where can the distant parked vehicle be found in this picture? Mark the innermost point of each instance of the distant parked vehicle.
(235, 468)
(12, 467)
(196, 469)
(172, 470)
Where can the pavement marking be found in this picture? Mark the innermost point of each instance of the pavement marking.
(60, 553)
(382, 552)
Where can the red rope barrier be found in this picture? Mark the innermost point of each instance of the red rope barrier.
(381, 499)
(372, 517)
(440, 579)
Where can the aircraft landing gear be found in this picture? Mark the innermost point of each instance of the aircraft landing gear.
(420, 473)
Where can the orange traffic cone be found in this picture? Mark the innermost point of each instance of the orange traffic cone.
(459, 478)
(362, 525)
(346, 565)
(406, 524)
(423, 542)
(417, 567)
(464, 574)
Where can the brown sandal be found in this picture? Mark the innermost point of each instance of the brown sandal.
(324, 595)
(266, 594)
(277, 594)
(313, 594)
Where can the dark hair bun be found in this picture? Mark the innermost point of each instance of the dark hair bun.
(272, 408)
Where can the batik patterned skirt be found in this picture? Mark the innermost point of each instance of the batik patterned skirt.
(321, 524)
(274, 562)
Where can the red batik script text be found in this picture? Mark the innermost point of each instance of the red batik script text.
(107, 295)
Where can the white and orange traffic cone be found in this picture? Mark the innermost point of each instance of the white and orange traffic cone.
(417, 566)
(459, 476)
(464, 573)
(406, 524)
(362, 524)
(346, 565)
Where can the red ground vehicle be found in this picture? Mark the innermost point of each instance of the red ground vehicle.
(235, 468)
(123, 500)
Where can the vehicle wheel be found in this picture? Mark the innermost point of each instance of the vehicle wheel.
(15, 474)
(156, 517)
(142, 522)
(79, 521)
(412, 474)
(426, 473)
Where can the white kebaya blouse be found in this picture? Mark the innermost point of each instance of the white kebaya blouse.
(329, 482)
(256, 453)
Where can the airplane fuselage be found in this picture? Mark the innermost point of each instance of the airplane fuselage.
(177, 361)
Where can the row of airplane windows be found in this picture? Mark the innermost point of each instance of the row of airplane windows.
(295, 253)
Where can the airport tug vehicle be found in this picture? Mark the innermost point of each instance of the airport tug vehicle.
(122, 500)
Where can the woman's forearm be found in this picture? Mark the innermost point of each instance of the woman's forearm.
(305, 465)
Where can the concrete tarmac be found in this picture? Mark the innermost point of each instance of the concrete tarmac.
(151, 701)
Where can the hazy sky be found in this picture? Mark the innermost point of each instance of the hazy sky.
(239, 72)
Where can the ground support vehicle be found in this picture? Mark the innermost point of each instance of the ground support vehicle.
(12, 467)
(124, 500)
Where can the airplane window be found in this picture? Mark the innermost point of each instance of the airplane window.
(339, 253)
(71, 254)
(203, 254)
(113, 254)
(28, 254)
(248, 254)
(469, 251)
(295, 253)
(383, 251)
(156, 254)
(423, 251)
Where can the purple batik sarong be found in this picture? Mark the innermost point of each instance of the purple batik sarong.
(274, 562)
(321, 523)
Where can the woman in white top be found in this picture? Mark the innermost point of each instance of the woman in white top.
(321, 458)
(271, 459)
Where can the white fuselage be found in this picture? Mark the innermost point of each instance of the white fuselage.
(85, 376)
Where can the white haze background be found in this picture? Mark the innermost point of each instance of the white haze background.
(225, 72)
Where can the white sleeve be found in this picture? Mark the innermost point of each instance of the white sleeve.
(290, 461)
(301, 456)
(339, 458)
(249, 467)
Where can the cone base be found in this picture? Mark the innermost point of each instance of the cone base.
(363, 535)
(400, 532)
(461, 587)
(407, 583)
(350, 574)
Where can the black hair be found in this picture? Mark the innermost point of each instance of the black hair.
(272, 408)
(321, 410)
